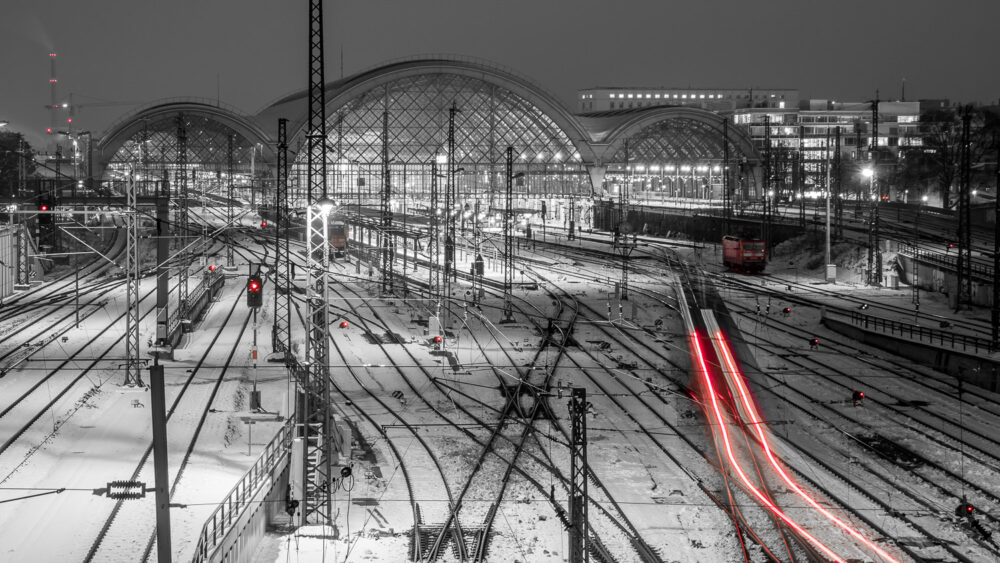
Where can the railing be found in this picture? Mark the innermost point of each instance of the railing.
(231, 507)
(979, 270)
(922, 334)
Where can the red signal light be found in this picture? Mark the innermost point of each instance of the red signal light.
(344, 324)
(437, 339)
(48, 130)
(254, 285)
(211, 267)
(263, 224)
(43, 207)
(969, 509)
(787, 310)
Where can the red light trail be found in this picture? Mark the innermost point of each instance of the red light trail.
(757, 423)
(739, 470)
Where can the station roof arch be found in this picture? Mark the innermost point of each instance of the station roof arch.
(671, 133)
(342, 93)
(160, 117)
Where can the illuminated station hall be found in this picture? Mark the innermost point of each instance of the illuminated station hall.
(427, 312)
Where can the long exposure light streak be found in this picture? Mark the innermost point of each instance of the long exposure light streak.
(757, 424)
(739, 470)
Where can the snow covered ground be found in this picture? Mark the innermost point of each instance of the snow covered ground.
(419, 421)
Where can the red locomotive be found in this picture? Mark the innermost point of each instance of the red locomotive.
(743, 255)
(338, 237)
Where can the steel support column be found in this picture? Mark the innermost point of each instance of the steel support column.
(433, 241)
(450, 241)
(875, 195)
(317, 504)
(230, 261)
(578, 527)
(838, 201)
(133, 375)
(964, 263)
(621, 242)
(766, 223)
(995, 313)
(727, 197)
(162, 270)
(180, 178)
(280, 333)
(508, 240)
(385, 233)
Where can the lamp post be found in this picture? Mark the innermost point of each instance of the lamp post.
(874, 270)
(916, 264)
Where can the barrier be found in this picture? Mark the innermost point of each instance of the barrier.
(923, 334)
(233, 529)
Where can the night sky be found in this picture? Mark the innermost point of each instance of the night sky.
(252, 52)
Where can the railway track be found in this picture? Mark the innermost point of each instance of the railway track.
(129, 511)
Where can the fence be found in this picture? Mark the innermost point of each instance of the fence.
(922, 334)
(979, 270)
(237, 501)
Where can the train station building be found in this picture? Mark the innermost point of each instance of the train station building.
(395, 118)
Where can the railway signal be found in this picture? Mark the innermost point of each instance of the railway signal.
(964, 510)
(437, 341)
(211, 268)
(814, 343)
(344, 324)
(255, 293)
(858, 397)
(263, 224)
(786, 311)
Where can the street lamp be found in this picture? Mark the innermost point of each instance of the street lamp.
(916, 264)
(874, 270)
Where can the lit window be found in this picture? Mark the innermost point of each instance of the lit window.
(683, 96)
(630, 96)
(702, 96)
(781, 105)
(657, 96)
(647, 96)
(675, 96)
